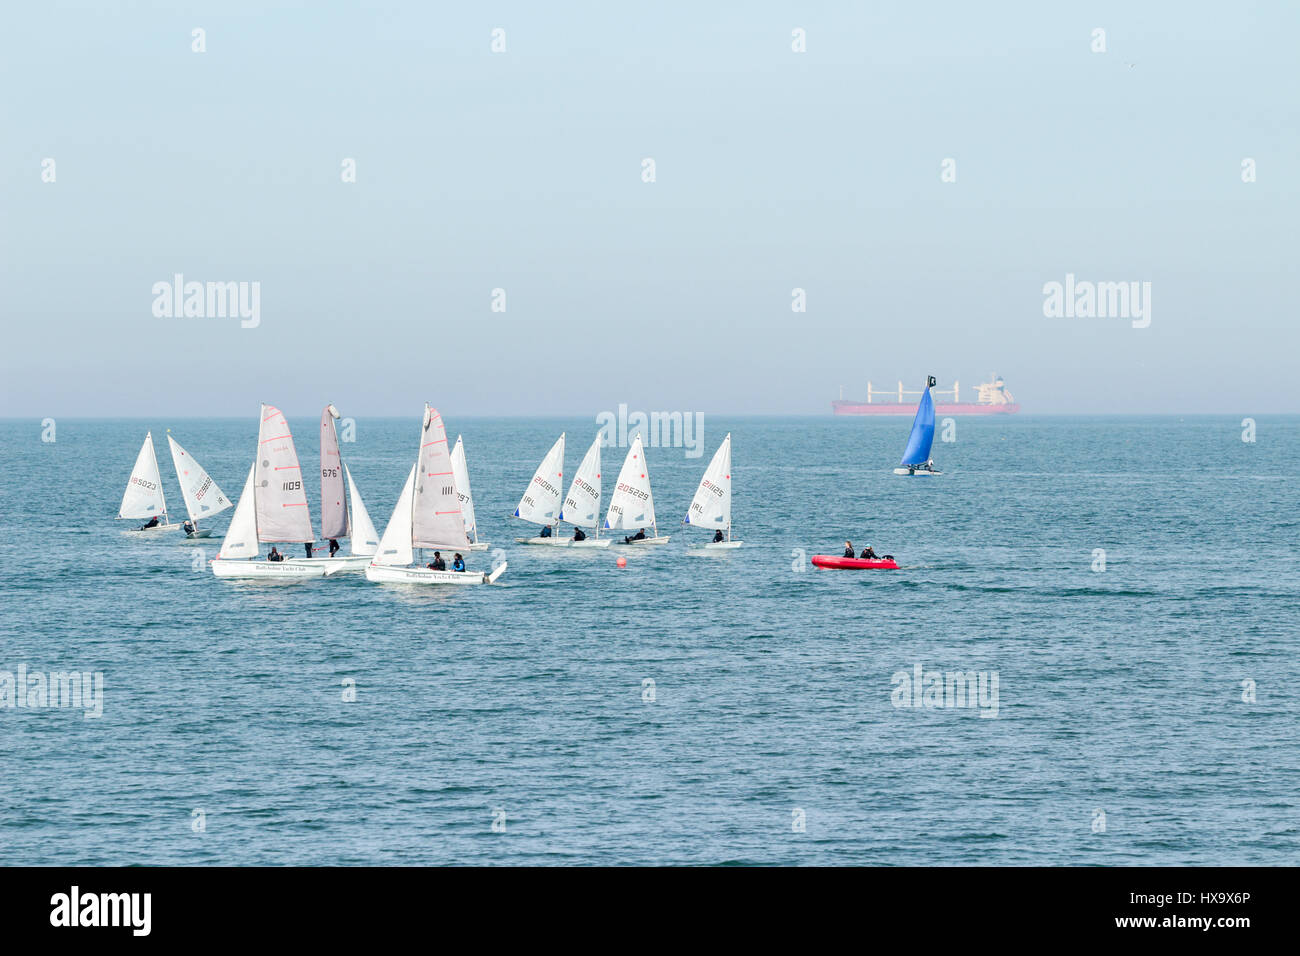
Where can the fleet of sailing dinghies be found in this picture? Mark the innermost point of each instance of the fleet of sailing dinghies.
(427, 515)
(916, 458)
(632, 506)
(144, 498)
(271, 509)
(460, 471)
(203, 497)
(711, 506)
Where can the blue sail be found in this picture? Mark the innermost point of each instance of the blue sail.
(918, 445)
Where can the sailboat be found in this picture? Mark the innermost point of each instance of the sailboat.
(632, 506)
(581, 506)
(272, 508)
(541, 501)
(144, 496)
(203, 497)
(916, 459)
(337, 519)
(427, 516)
(711, 506)
(460, 471)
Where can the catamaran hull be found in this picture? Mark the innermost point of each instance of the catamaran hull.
(151, 532)
(264, 570)
(919, 473)
(567, 542)
(383, 574)
(832, 563)
(351, 562)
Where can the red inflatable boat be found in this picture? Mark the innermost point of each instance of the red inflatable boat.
(853, 564)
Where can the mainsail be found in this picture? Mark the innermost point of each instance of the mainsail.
(203, 498)
(333, 500)
(631, 505)
(144, 496)
(918, 445)
(541, 502)
(282, 513)
(582, 503)
(711, 506)
(460, 471)
(436, 520)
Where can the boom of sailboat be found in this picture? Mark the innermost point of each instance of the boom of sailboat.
(433, 525)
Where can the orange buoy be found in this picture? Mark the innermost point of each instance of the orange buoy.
(621, 562)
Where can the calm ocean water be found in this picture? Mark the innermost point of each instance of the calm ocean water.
(1119, 691)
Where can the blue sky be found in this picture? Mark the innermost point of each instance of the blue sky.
(521, 170)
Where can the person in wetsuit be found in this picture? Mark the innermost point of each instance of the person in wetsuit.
(848, 549)
(639, 536)
(546, 531)
(869, 554)
(151, 523)
(334, 547)
(458, 563)
(274, 555)
(437, 564)
(187, 528)
(717, 538)
(579, 534)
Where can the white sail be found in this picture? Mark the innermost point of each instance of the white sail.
(460, 471)
(144, 496)
(282, 513)
(333, 506)
(632, 505)
(395, 546)
(365, 539)
(241, 537)
(711, 506)
(435, 515)
(203, 497)
(582, 503)
(541, 502)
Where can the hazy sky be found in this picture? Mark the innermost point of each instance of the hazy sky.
(522, 170)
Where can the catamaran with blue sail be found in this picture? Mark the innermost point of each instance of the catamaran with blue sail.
(916, 459)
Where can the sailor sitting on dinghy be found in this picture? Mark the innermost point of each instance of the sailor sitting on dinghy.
(437, 564)
(458, 563)
(639, 536)
(274, 555)
(187, 527)
(579, 534)
(869, 553)
(717, 538)
(151, 523)
(546, 531)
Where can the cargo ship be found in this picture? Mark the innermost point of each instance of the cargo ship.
(992, 398)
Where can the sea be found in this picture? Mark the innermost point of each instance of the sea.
(1090, 654)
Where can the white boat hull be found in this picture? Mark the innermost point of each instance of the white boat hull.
(662, 539)
(717, 546)
(384, 574)
(150, 532)
(567, 542)
(256, 569)
(349, 562)
(919, 473)
(477, 546)
(201, 533)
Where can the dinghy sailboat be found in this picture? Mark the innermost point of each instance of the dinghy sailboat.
(427, 516)
(632, 506)
(541, 501)
(337, 519)
(272, 508)
(203, 498)
(711, 507)
(460, 471)
(916, 459)
(582, 504)
(144, 496)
